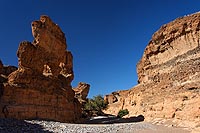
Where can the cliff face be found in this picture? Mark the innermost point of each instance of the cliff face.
(168, 76)
(176, 41)
(41, 87)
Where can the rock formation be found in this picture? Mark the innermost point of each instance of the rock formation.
(5, 71)
(168, 76)
(81, 92)
(41, 87)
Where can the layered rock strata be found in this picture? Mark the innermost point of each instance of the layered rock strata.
(168, 76)
(41, 87)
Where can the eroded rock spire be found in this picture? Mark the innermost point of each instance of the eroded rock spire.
(41, 86)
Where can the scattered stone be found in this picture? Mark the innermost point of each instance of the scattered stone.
(13, 125)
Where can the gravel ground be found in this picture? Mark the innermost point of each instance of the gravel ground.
(38, 126)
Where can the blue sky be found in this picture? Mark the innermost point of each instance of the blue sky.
(107, 37)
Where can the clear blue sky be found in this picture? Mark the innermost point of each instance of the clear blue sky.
(107, 37)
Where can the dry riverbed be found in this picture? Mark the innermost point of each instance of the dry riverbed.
(39, 126)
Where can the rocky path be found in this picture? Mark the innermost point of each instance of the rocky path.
(38, 126)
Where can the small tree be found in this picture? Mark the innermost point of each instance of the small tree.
(96, 104)
(122, 113)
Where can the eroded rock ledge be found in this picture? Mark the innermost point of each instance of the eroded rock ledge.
(81, 92)
(41, 87)
(168, 76)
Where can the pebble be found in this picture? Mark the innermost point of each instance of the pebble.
(40, 126)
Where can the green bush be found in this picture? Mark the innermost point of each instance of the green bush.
(97, 104)
(122, 113)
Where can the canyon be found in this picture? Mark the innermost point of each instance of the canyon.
(168, 78)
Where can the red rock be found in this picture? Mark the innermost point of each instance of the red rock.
(5, 71)
(81, 92)
(168, 75)
(41, 86)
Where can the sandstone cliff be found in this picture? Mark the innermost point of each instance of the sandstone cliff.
(41, 87)
(168, 76)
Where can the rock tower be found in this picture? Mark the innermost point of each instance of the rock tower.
(41, 86)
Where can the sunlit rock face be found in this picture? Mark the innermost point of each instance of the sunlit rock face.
(168, 76)
(81, 92)
(41, 87)
(175, 42)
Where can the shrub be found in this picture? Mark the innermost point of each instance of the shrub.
(122, 113)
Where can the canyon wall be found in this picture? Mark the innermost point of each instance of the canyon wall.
(168, 76)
